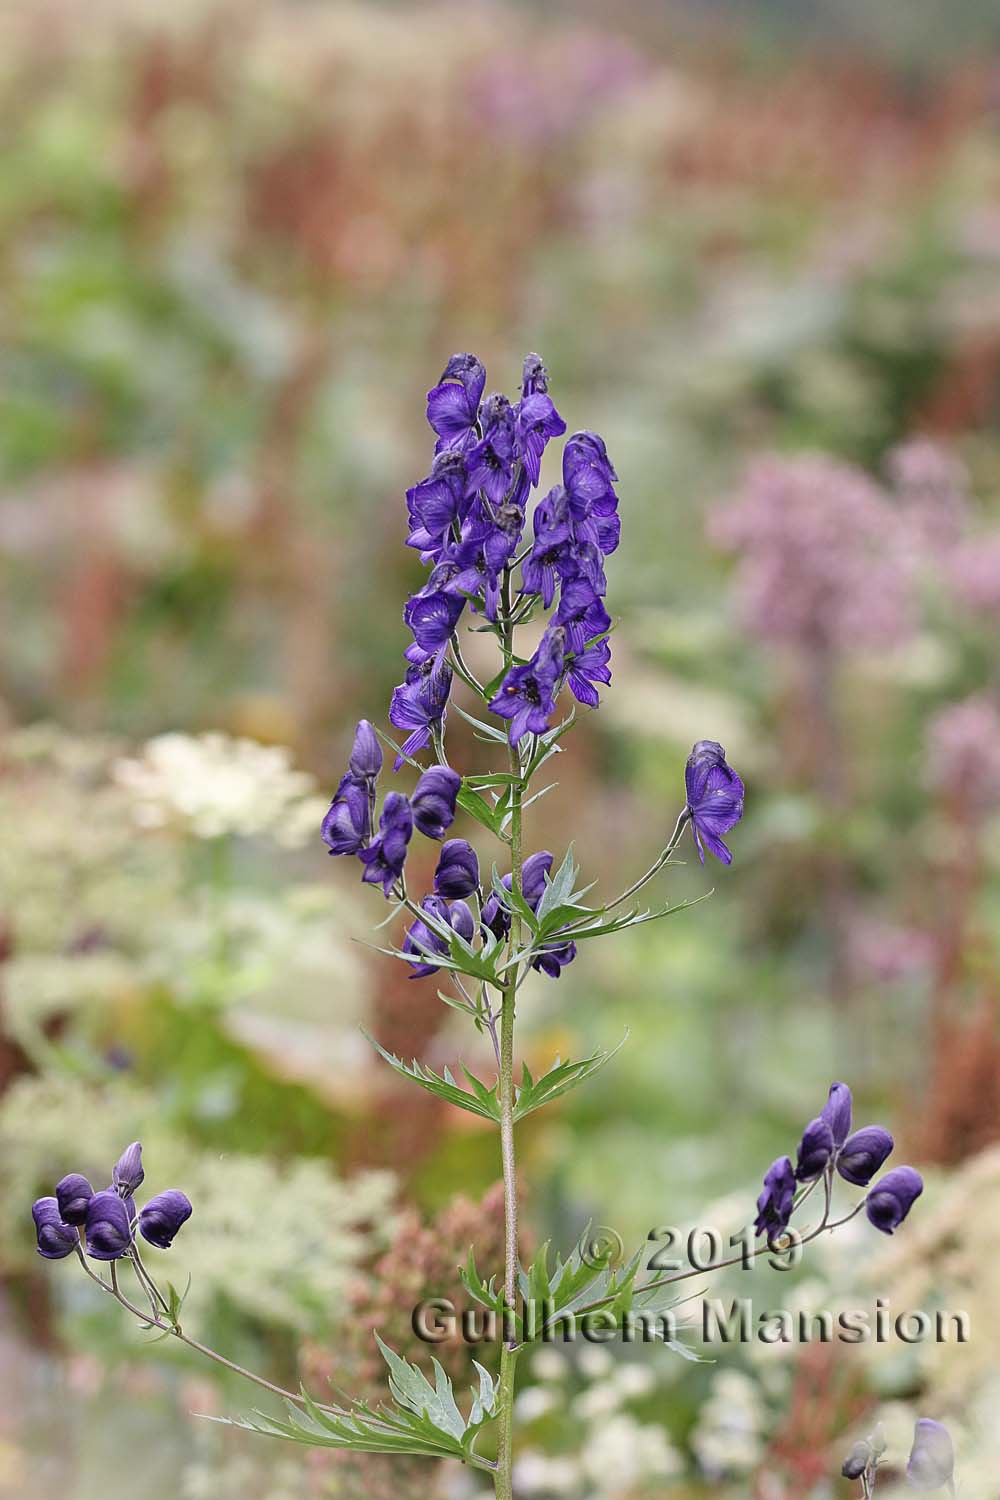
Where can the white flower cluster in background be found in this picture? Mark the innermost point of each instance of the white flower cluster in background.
(213, 784)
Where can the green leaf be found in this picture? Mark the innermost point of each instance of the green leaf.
(561, 1077)
(477, 807)
(499, 736)
(480, 1101)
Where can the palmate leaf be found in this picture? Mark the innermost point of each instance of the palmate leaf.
(424, 1420)
(532, 1093)
(479, 1101)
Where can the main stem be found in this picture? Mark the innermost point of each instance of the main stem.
(508, 1352)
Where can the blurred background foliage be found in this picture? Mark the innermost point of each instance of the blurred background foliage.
(759, 249)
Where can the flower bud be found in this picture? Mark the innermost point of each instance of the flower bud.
(774, 1206)
(108, 1227)
(857, 1460)
(932, 1457)
(890, 1200)
(815, 1150)
(366, 756)
(347, 824)
(73, 1194)
(127, 1177)
(837, 1112)
(56, 1239)
(863, 1153)
(162, 1216)
(433, 801)
(457, 873)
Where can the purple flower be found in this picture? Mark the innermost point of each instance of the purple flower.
(366, 753)
(581, 613)
(453, 404)
(128, 1176)
(418, 704)
(438, 503)
(553, 959)
(432, 617)
(534, 376)
(837, 1112)
(537, 422)
(56, 1239)
(714, 798)
(815, 1150)
(589, 476)
(931, 1464)
(891, 1199)
(73, 1194)
(857, 1460)
(108, 1227)
(385, 857)
(162, 1216)
(586, 668)
(347, 826)
(527, 694)
(491, 462)
(863, 1153)
(555, 955)
(457, 872)
(774, 1206)
(423, 941)
(434, 801)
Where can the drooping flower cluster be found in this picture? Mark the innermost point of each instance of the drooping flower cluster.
(106, 1222)
(827, 1146)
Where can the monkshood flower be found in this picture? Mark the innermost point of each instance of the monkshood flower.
(491, 461)
(422, 940)
(347, 825)
(815, 1150)
(386, 855)
(537, 422)
(858, 1460)
(56, 1239)
(589, 476)
(931, 1463)
(128, 1175)
(437, 504)
(581, 613)
(432, 617)
(714, 798)
(453, 404)
(418, 704)
(433, 801)
(863, 1154)
(554, 957)
(366, 753)
(108, 1226)
(527, 694)
(837, 1112)
(457, 872)
(163, 1216)
(73, 1193)
(534, 376)
(891, 1199)
(586, 668)
(774, 1206)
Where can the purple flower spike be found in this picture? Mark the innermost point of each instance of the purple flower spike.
(419, 703)
(815, 1150)
(128, 1176)
(386, 856)
(108, 1227)
(863, 1153)
(774, 1206)
(434, 801)
(56, 1239)
(366, 756)
(457, 873)
(347, 825)
(714, 798)
(837, 1112)
(453, 404)
(931, 1464)
(527, 694)
(73, 1194)
(162, 1216)
(891, 1199)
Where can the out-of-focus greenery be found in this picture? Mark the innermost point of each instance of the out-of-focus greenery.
(238, 243)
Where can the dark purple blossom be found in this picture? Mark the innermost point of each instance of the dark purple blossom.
(931, 1464)
(108, 1226)
(857, 1460)
(586, 668)
(366, 753)
(128, 1175)
(163, 1216)
(527, 694)
(537, 422)
(491, 461)
(432, 618)
(453, 404)
(553, 958)
(774, 1206)
(424, 941)
(534, 376)
(385, 857)
(418, 704)
(891, 1199)
(581, 613)
(457, 872)
(837, 1112)
(555, 955)
(433, 801)
(815, 1150)
(714, 798)
(589, 476)
(56, 1239)
(863, 1154)
(73, 1194)
(347, 825)
(438, 503)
